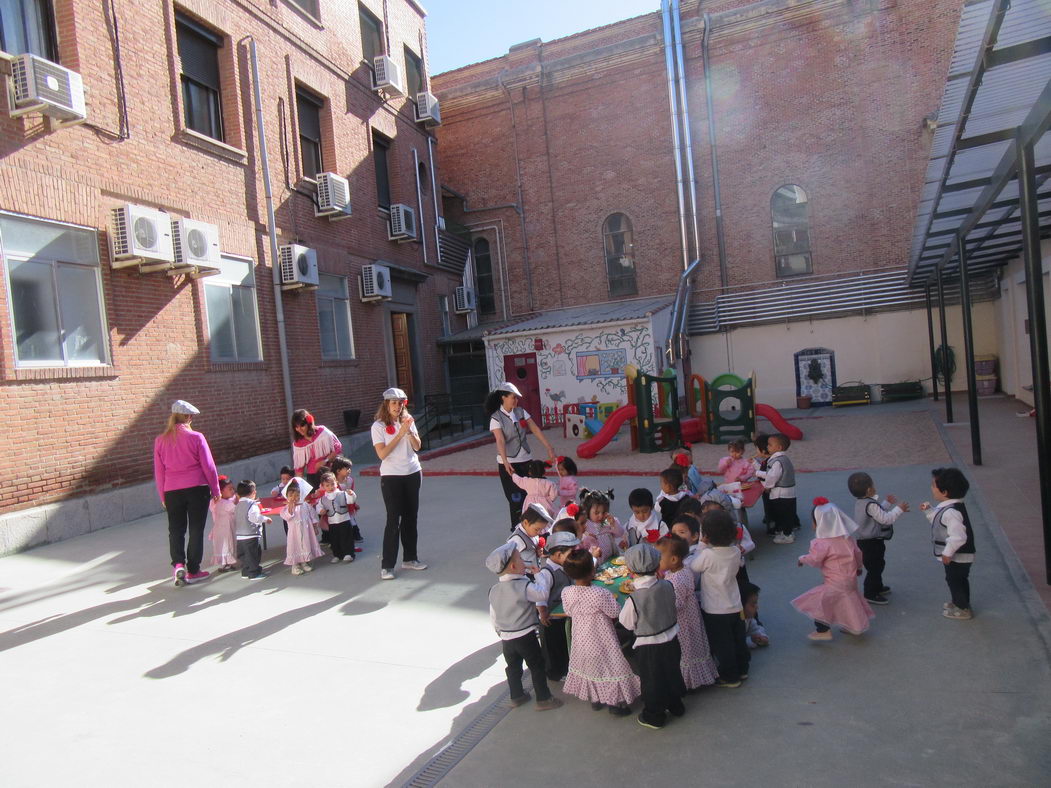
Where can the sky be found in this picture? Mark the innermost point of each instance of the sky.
(460, 32)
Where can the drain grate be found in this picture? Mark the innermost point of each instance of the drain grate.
(450, 755)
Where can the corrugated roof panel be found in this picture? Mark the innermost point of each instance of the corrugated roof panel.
(973, 21)
(608, 312)
(1028, 20)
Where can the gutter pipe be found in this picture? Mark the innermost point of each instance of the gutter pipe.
(720, 234)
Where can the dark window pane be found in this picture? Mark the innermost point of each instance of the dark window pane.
(380, 149)
(789, 215)
(371, 35)
(308, 109)
(620, 255)
(310, 6)
(413, 73)
(483, 267)
(26, 28)
(201, 105)
(199, 53)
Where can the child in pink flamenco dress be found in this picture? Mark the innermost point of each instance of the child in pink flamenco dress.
(567, 481)
(302, 545)
(602, 529)
(598, 671)
(222, 537)
(836, 602)
(697, 664)
(537, 487)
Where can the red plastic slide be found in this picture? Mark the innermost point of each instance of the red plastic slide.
(774, 417)
(591, 447)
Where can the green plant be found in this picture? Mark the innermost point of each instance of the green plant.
(944, 364)
(814, 371)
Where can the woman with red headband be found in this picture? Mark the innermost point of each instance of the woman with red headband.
(315, 445)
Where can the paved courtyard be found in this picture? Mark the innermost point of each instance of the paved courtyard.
(116, 678)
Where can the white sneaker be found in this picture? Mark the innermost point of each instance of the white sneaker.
(386, 574)
(307, 567)
(333, 560)
(788, 539)
(297, 569)
(346, 559)
(419, 566)
(778, 538)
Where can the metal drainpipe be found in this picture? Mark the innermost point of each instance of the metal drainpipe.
(419, 197)
(720, 235)
(521, 201)
(271, 226)
(687, 137)
(434, 194)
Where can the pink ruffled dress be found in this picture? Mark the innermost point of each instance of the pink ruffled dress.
(697, 665)
(598, 671)
(567, 490)
(539, 491)
(604, 536)
(302, 544)
(836, 602)
(222, 537)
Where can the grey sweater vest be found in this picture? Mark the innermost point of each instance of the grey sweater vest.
(788, 471)
(655, 608)
(526, 546)
(939, 533)
(336, 506)
(559, 581)
(244, 528)
(868, 528)
(514, 435)
(511, 608)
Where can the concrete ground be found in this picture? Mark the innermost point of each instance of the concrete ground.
(116, 677)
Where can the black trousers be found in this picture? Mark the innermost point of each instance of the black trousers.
(726, 639)
(249, 553)
(661, 679)
(872, 552)
(766, 512)
(341, 538)
(783, 513)
(187, 512)
(527, 649)
(514, 494)
(401, 497)
(957, 576)
(742, 580)
(556, 649)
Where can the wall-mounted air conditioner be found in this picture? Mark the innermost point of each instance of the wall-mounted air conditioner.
(196, 243)
(427, 110)
(402, 223)
(140, 234)
(464, 300)
(298, 266)
(387, 75)
(43, 86)
(375, 282)
(333, 196)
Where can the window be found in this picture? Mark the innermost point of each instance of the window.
(789, 213)
(55, 291)
(371, 35)
(380, 151)
(413, 73)
(620, 255)
(308, 110)
(233, 328)
(443, 313)
(483, 277)
(199, 52)
(309, 7)
(333, 317)
(26, 27)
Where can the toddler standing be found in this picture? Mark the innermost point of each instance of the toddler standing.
(671, 494)
(836, 602)
(249, 523)
(334, 505)
(735, 467)
(682, 458)
(224, 542)
(645, 524)
(875, 528)
(342, 467)
(536, 485)
(526, 536)
(953, 538)
(286, 474)
(696, 665)
(567, 481)
(301, 546)
(779, 480)
(553, 632)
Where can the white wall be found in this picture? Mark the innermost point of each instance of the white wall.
(1016, 366)
(887, 347)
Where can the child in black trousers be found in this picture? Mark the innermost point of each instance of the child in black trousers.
(248, 528)
(875, 521)
(553, 632)
(953, 538)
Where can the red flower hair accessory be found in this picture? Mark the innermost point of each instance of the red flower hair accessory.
(560, 459)
(820, 500)
(572, 510)
(310, 419)
(223, 479)
(683, 461)
(391, 429)
(688, 446)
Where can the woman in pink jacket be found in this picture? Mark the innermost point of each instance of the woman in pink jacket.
(186, 481)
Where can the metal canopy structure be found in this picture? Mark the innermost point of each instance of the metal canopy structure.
(998, 79)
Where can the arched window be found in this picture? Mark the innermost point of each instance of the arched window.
(790, 216)
(620, 255)
(483, 276)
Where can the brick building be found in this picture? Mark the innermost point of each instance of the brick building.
(92, 354)
(560, 158)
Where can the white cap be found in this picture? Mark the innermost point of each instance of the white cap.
(510, 388)
(395, 393)
(184, 407)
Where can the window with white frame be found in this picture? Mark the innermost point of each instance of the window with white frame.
(54, 292)
(27, 26)
(333, 317)
(230, 303)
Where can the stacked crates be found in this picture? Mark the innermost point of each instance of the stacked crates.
(985, 372)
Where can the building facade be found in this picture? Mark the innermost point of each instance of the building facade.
(94, 348)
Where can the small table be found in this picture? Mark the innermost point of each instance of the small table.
(275, 504)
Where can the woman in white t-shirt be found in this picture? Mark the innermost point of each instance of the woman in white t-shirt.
(396, 441)
(509, 425)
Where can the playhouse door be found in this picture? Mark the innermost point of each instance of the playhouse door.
(520, 369)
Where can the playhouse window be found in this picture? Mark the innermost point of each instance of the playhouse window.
(789, 212)
(620, 255)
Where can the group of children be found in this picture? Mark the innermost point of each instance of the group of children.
(690, 615)
(310, 517)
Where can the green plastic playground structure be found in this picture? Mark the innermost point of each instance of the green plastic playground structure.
(730, 408)
(659, 429)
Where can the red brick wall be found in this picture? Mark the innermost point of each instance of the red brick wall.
(827, 94)
(87, 430)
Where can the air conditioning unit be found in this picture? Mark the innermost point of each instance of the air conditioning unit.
(196, 243)
(298, 266)
(402, 223)
(464, 300)
(43, 86)
(387, 75)
(427, 110)
(375, 282)
(333, 196)
(141, 234)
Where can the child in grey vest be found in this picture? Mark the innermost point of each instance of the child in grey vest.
(779, 480)
(512, 609)
(875, 521)
(248, 528)
(553, 632)
(953, 538)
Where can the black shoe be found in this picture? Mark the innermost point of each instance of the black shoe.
(357, 535)
(885, 590)
(647, 722)
(879, 599)
(260, 576)
(677, 710)
(620, 711)
(596, 706)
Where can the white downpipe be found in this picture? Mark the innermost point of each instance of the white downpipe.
(434, 195)
(419, 196)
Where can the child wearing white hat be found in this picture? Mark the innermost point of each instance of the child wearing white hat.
(302, 546)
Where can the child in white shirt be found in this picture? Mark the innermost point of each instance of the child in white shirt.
(953, 538)
(645, 524)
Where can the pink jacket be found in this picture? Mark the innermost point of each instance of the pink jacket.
(567, 489)
(539, 491)
(739, 470)
(182, 463)
(838, 558)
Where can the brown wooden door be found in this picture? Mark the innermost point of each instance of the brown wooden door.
(399, 326)
(520, 369)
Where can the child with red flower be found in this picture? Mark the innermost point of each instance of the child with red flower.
(645, 523)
